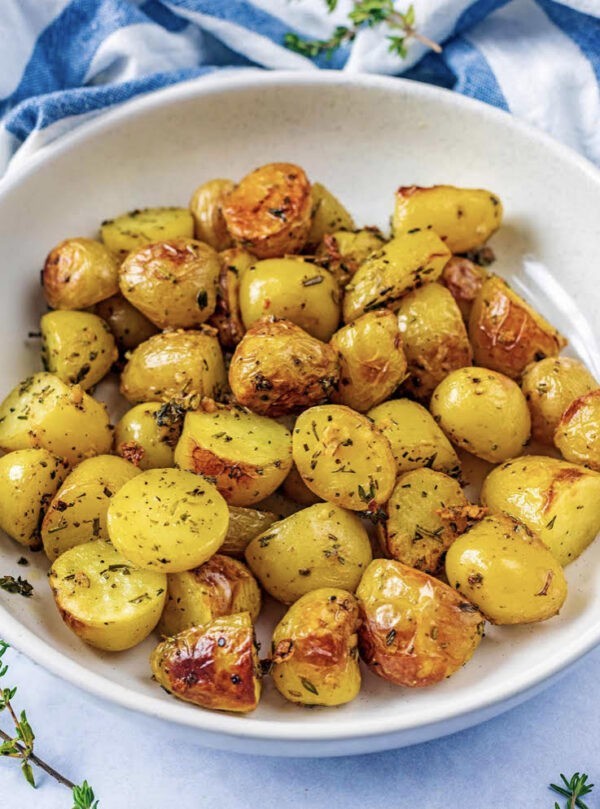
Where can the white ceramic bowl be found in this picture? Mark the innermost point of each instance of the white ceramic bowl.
(362, 137)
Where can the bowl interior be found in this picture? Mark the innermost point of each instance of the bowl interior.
(362, 138)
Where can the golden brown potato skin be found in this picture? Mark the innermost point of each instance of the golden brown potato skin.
(372, 360)
(344, 251)
(315, 649)
(327, 215)
(206, 206)
(173, 283)
(128, 325)
(78, 273)
(269, 211)
(463, 279)
(434, 338)
(415, 630)
(227, 317)
(214, 666)
(278, 368)
(244, 525)
(578, 433)
(297, 490)
(550, 386)
(506, 333)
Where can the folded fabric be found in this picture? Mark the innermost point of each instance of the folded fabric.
(64, 61)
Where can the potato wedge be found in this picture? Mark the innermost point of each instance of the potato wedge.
(140, 227)
(206, 206)
(77, 346)
(79, 273)
(577, 434)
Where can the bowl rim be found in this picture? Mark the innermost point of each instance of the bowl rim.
(292, 730)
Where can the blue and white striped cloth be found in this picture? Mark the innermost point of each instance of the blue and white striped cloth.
(64, 61)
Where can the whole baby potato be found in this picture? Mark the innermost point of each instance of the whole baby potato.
(315, 649)
(173, 283)
(434, 338)
(77, 512)
(507, 333)
(464, 218)
(42, 411)
(424, 516)
(403, 264)
(550, 386)
(557, 500)
(463, 279)
(415, 630)
(507, 572)
(319, 546)
(29, 479)
(372, 360)
(297, 490)
(128, 325)
(227, 317)
(167, 520)
(78, 273)
(246, 455)
(244, 525)
(214, 666)
(327, 215)
(483, 412)
(103, 599)
(221, 586)
(278, 368)
(294, 289)
(343, 251)
(174, 365)
(133, 230)
(77, 346)
(269, 211)
(147, 435)
(577, 434)
(343, 457)
(206, 206)
(414, 437)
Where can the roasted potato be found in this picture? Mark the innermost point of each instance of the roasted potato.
(424, 516)
(244, 525)
(404, 264)
(319, 546)
(414, 437)
(269, 211)
(78, 273)
(372, 360)
(221, 586)
(29, 479)
(246, 455)
(550, 386)
(227, 317)
(507, 333)
(557, 500)
(206, 206)
(129, 327)
(44, 412)
(103, 599)
(315, 649)
(175, 365)
(464, 218)
(343, 457)
(507, 572)
(463, 278)
(215, 666)
(297, 490)
(577, 434)
(167, 520)
(434, 338)
(77, 512)
(278, 368)
(344, 251)
(327, 215)
(148, 433)
(415, 630)
(133, 230)
(483, 412)
(77, 346)
(173, 283)
(294, 289)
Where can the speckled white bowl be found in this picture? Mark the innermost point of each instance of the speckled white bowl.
(362, 137)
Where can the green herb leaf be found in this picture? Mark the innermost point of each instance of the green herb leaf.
(309, 686)
(17, 586)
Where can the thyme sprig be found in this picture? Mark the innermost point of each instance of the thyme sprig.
(573, 789)
(364, 14)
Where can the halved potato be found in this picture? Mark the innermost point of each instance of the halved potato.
(79, 273)
(206, 206)
(577, 435)
(137, 228)
(297, 490)
(77, 346)
(344, 251)
(244, 525)
(327, 215)
(129, 327)
(227, 317)
(148, 433)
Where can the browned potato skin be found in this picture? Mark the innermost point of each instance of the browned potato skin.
(244, 525)
(79, 273)
(343, 252)
(463, 279)
(214, 666)
(173, 283)
(206, 206)
(278, 368)
(128, 324)
(415, 630)
(372, 360)
(506, 333)
(269, 212)
(227, 317)
(578, 433)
